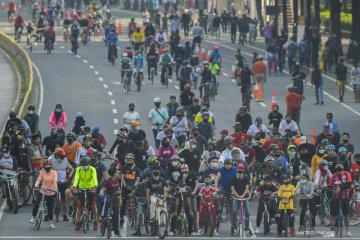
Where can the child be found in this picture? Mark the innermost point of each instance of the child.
(306, 188)
(286, 194)
(206, 194)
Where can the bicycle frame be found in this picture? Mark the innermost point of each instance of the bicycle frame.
(11, 181)
(241, 215)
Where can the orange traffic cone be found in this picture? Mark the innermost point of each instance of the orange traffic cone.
(273, 101)
(203, 53)
(232, 73)
(197, 51)
(254, 91)
(209, 54)
(119, 27)
(3, 7)
(259, 94)
(313, 136)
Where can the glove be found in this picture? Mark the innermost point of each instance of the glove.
(74, 190)
(93, 189)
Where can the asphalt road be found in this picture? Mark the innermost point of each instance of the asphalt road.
(88, 83)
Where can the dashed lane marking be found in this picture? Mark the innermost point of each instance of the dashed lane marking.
(106, 86)
(78, 56)
(262, 104)
(85, 61)
(110, 93)
(101, 79)
(116, 131)
(225, 74)
(117, 83)
(96, 72)
(116, 121)
(177, 87)
(114, 111)
(62, 47)
(112, 102)
(91, 66)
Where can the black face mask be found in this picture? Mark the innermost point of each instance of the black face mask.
(86, 147)
(288, 121)
(275, 111)
(345, 141)
(70, 140)
(240, 171)
(157, 105)
(178, 115)
(166, 144)
(156, 174)
(286, 183)
(205, 120)
(131, 109)
(195, 134)
(338, 170)
(47, 169)
(277, 154)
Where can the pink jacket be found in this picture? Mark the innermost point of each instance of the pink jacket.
(61, 123)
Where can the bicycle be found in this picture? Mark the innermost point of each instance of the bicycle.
(138, 77)
(143, 216)
(241, 218)
(308, 220)
(132, 210)
(152, 74)
(24, 187)
(85, 216)
(160, 224)
(18, 34)
(246, 96)
(127, 81)
(221, 196)
(84, 36)
(107, 222)
(38, 217)
(10, 189)
(66, 34)
(266, 214)
(57, 207)
(209, 224)
(49, 45)
(74, 45)
(355, 208)
(324, 212)
(183, 224)
(166, 76)
(285, 217)
(208, 86)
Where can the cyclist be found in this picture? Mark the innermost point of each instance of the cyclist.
(258, 127)
(306, 188)
(129, 52)
(173, 172)
(130, 176)
(185, 74)
(266, 189)
(206, 193)
(240, 186)
(125, 67)
(180, 126)
(293, 161)
(19, 24)
(84, 25)
(40, 25)
(275, 117)
(111, 186)
(244, 79)
(62, 166)
(216, 55)
(29, 32)
(132, 27)
(268, 170)
(101, 169)
(179, 57)
(174, 41)
(188, 50)
(226, 154)
(48, 177)
(149, 32)
(331, 157)
(49, 36)
(286, 194)
(74, 37)
(85, 179)
(206, 77)
(138, 65)
(8, 167)
(136, 134)
(161, 38)
(112, 41)
(152, 58)
(138, 38)
(83, 150)
(340, 182)
(215, 70)
(166, 61)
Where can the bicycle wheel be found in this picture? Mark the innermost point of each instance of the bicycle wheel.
(152, 76)
(206, 225)
(266, 223)
(103, 227)
(141, 222)
(24, 194)
(210, 224)
(38, 220)
(138, 82)
(109, 228)
(146, 222)
(83, 222)
(186, 227)
(162, 224)
(57, 210)
(327, 216)
(340, 225)
(286, 224)
(307, 224)
(354, 217)
(15, 206)
(126, 86)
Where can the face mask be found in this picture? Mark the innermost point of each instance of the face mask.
(338, 170)
(85, 167)
(277, 154)
(321, 151)
(195, 134)
(286, 183)
(178, 115)
(31, 112)
(185, 173)
(70, 140)
(303, 181)
(214, 165)
(166, 144)
(157, 105)
(156, 173)
(174, 164)
(207, 183)
(237, 129)
(86, 147)
(47, 169)
(6, 155)
(58, 110)
(345, 141)
(241, 171)
(275, 111)
(292, 154)
(288, 121)
(131, 109)
(205, 120)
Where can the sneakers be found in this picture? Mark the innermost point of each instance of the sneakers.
(216, 232)
(65, 218)
(348, 234)
(194, 234)
(257, 231)
(77, 226)
(201, 232)
(51, 226)
(95, 226)
(171, 234)
(32, 220)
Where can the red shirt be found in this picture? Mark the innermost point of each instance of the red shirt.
(335, 182)
(19, 22)
(239, 138)
(268, 144)
(11, 6)
(354, 170)
(207, 194)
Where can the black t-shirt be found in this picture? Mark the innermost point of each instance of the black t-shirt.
(140, 159)
(240, 185)
(349, 147)
(100, 168)
(137, 137)
(186, 98)
(195, 109)
(156, 186)
(130, 175)
(190, 179)
(173, 174)
(124, 149)
(192, 159)
(275, 119)
(306, 152)
(49, 144)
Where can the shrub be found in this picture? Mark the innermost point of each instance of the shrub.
(345, 20)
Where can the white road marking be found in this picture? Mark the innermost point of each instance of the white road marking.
(225, 74)
(116, 131)
(85, 61)
(96, 72)
(117, 83)
(233, 80)
(262, 104)
(177, 87)
(114, 111)
(112, 102)
(3, 206)
(170, 80)
(69, 51)
(62, 47)
(101, 79)
(41, 97)
(106, 86)
(116, 121)
(110, 93)
(78, 56)
(91, 66)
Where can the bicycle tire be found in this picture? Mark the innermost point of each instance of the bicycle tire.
(146, 222)
(83, 223)
(109, 228)
(30, 47)
(57, 210)
(162, 223)
(286, 224)
(210, 224)
(103, 227)
(141, 222)
(14, 206)
(152, 76)
(354, 218)
(153, 228)
(24, 194)
(206, 225)
(340, 225)
(266, 223)
(138, 82)
(38, 220)
(307, 224)
(186, 227)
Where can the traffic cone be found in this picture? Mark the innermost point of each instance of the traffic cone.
(259, 95)
(273, 101)
(197, 51)
(3, 7)
(313, 136)
(209, 54)
(232, 73)
(20, 8)
(203, 54)
(254, 92)
(119, 27)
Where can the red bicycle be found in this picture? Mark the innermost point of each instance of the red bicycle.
(132, 210)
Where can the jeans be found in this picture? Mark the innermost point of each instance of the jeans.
(319, 94)
(235, 213)
(115, 213)
(49, 203)
(356, 92)
(141, 208)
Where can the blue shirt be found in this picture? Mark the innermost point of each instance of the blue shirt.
(157, 118)
(138, 62)
(226, 177)
(112, 39)
(216, 56)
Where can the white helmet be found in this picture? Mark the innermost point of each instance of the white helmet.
(125, 55)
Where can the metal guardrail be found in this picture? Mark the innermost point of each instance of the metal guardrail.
(9, 44)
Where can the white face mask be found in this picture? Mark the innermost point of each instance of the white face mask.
(31, 112)
(6, 155)
(85, 167)
(174, 164)
(58, 110)
(326, 168)
(214, 165)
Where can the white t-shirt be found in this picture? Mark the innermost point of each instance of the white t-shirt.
(227, 154)
(60, 168)
(253, 129)
(130, 117)
(292, 126)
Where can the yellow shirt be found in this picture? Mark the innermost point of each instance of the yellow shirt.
(85, 179)
(198, 118)
(138, 37)
(286, 191)
(315, 163)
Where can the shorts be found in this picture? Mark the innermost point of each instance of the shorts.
(91, 197)
(335, 204)
(259, 78)
(340, 83)
(62, 187)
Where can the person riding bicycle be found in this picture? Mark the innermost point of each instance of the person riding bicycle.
(74, 35)
(48, 177)
(85, 179)
(138, 38)
(244, 79)
(185, 74)
(340, 182)
(49, 36)
(240, 188)
(266, 191)
(126, 66)
(166, 61)
(286, 195)
(112, 41)
(161, 38)
(19, 24)
(227, 153)
(179, 57)
(138, 64)
(216, 55)
(305, 188)
(152, 58)
(84, 24)
(206, 77)
(131, 27)
(174, 41)
(188, 49)
(130, 176)
(29, 30)
(215, 70)
(293, 161)
(149, 31)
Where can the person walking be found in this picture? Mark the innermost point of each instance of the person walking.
(259, 71)
(293, 104)
(341, 71)
(317, 83)
(355, 81)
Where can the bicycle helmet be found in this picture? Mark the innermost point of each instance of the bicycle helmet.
(180, 110)
(240, 166)
(124, 55)
(130, 156)
(228, 140)
(285, 176)
(342, 150)
(324, 162)
(31, 107)
(136, 123)
(175, 158)
(70, 134)
(96, 129)
(330, 147)
(85, 161)
(258, 120)
(60, 153)
(153, 160)
(184, 166)
(269, 158)
(12, 114)
(90, 151)
(47, 163)
(216, 47)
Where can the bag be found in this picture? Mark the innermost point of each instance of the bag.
(160, 114)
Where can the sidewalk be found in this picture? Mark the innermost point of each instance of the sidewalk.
(8, 88)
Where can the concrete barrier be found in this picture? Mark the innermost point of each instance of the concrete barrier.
(8, 44)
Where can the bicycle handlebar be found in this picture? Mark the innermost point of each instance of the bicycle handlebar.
(240, 199)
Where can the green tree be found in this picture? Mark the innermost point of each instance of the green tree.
(354, 46)
(335, 26)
